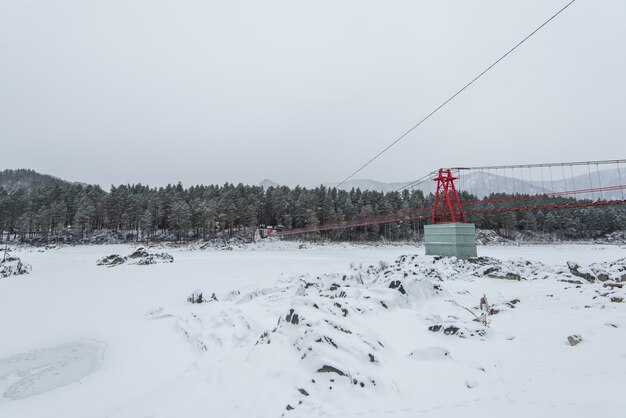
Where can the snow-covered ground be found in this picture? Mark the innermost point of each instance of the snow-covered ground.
(320, 331)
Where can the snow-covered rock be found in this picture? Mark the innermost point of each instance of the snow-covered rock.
(141, 257)
(13, 266)
(223, 244)
(111, 260)
(490, 237)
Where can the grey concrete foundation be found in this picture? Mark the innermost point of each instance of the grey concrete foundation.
(453, 239)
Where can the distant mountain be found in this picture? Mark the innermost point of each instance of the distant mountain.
(594, 179)
(21, 178)
(268, 183)
(483, 183)
(368, 185)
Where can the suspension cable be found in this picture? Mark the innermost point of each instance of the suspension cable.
(401, 137)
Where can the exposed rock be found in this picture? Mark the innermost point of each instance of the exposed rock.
(13, 266)
(574, 268)
(490, 237)
(223, 243)
(451, 330)
(292, 317)
(495, 309)
(397, 284)
(481, 261)
(574, 340)
(490, 270)
(571, 281)
(139, 253)
(603, 277)
(617, 299)
(327, 340)
(435, 328)
(140, 257)
(471, 384)
(144, 258)
(330, 369)
(196, 297)
(111, 260)
(454, 330)
(507, 276)
(513, 276)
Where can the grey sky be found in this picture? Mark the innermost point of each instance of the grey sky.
(154, 91)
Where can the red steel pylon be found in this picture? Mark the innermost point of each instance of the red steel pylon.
(447, 206)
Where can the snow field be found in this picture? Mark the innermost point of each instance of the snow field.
(305, 333)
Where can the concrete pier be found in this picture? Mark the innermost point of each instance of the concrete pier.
(451, 239)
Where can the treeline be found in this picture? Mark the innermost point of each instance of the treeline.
(569, 223)
(73, 213)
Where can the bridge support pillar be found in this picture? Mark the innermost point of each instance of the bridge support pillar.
(451, 239)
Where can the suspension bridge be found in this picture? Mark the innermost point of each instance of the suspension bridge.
(501, 189)
(497, 188)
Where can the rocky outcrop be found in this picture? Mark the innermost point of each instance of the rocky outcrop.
(574, 340)
(141, 257)
(574, 268)
(13, 266)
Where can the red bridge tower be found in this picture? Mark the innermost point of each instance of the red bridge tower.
(447, 206)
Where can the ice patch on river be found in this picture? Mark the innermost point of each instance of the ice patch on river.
(34, 372)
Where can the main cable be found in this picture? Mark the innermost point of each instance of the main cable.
(456, 94)
(417, 182)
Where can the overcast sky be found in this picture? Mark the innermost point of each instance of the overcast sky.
(202, 91)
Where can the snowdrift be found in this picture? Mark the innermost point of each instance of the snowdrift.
(323, 343)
